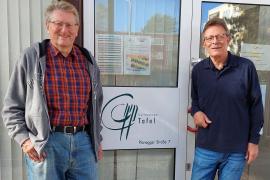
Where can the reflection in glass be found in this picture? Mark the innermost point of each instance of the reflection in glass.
(137, 42)
(248, 24)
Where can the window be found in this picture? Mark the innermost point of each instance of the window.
(137, 42)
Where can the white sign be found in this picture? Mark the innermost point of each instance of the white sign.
(263, 91)
(259, 54)
(133, 120)
(109, 53)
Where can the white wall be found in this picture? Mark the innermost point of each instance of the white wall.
(21, 24)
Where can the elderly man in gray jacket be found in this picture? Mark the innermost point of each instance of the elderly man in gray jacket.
(53, 102)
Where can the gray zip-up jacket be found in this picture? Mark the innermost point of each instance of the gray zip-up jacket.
(25, 111)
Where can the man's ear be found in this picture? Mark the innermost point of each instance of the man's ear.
(203, 43)
(78, 30)
(202, 40)
(229, 39)
(47, 26)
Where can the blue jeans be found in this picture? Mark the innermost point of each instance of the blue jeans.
(68, 157)
(206, 163)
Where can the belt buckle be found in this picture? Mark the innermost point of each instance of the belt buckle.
(74, 129)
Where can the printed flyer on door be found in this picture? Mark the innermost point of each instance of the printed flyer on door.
(137, 55)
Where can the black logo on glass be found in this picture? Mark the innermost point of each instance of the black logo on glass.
(122, 115)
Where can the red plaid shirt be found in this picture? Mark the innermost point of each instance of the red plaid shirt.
(67, 87)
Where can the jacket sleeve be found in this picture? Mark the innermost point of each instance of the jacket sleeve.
(13, 111)
(256, 106)
(100, 101)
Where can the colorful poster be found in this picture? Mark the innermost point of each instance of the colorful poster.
(137, 55)
(124, 54)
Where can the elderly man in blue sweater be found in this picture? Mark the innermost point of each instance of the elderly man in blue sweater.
(227, 108)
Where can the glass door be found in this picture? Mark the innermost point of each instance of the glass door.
(144, 71)
(249, 25)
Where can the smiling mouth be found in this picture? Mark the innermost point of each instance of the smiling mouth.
(216, 48)
(64, 37)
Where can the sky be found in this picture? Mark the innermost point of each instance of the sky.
(142, 10)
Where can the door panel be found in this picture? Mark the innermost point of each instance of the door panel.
(136, 45)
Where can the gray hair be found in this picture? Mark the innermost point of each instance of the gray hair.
(63, 6)
(216, 22)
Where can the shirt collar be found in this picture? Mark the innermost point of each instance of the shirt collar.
(55, 52)
(231, 62)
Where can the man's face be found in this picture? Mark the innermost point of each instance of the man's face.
(62, 29)
(216, 41)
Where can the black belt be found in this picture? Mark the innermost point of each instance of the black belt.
(70, 129)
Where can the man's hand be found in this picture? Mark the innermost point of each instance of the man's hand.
(29, 149)
(100, 152)
(201, 120)
(252, 152)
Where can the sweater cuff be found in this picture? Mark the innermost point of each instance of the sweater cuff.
(194, 110)
(20, 138)
(254, 140)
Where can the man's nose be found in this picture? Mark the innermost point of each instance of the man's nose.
(64, 27)
(215, 40)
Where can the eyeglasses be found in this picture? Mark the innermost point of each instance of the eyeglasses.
(60, 25)
(219, 37)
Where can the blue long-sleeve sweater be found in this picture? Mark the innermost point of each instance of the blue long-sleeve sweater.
(231, 98)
